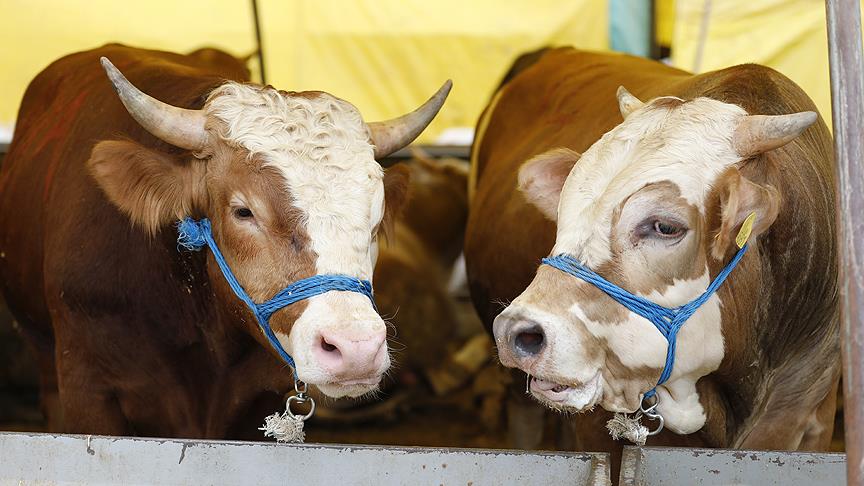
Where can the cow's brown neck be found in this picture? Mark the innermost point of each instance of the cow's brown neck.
(763, 392)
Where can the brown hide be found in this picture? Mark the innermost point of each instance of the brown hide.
(220, 62)
(88, 287)
(782, 361)
(415, 263)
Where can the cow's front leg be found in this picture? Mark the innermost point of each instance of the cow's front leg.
(88, 404)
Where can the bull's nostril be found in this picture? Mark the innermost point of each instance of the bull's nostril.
(530, 341)
(328, 347)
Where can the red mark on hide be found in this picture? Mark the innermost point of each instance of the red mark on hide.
(61, 127)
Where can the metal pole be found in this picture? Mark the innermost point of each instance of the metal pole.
(257, 20)
(653, 45)
(847, 96)
(704, 25)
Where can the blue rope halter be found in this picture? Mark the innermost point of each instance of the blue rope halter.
(667, 321)
(193, 235)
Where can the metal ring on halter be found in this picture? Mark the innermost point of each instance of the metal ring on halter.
(652, 414)
(300, 387)
(298, 399)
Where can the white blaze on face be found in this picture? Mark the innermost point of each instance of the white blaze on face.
(687, 145)
(321, 146)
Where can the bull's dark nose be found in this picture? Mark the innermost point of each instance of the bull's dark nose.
(529, 341)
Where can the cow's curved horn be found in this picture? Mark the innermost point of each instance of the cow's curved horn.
(177, 126)
(391, 135)
(760, 133)
(627, 103)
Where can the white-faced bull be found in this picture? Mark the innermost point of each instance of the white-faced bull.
(648, 214)
(138, 336)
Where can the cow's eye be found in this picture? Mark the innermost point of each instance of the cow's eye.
(243, 213)
(666, 229)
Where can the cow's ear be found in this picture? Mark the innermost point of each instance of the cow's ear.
(739, 198)
(152, 188)
(396, 181)
(542, 177)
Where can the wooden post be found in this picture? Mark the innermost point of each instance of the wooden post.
(847, 95)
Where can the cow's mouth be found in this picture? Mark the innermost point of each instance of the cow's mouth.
(573, 397)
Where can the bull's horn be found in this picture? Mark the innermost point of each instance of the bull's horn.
(627, 103)
(177, 126)
(760, 133)
(391, 135)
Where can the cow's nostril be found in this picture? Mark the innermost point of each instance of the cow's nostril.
(530, 341)
(328, 347)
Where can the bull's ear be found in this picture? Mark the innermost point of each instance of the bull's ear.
(542, 177)
(396, 181)
(152, 188)
(739, 197)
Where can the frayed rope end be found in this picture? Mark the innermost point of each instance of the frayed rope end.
(623, 427)
(284, 427)
(190, 234)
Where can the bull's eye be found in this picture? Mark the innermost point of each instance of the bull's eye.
(666, 229)
(243, 213)
(296, 243)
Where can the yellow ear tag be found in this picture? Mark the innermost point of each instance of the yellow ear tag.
(746, 229)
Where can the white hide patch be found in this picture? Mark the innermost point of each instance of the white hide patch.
(689, 145)
(321, 146)
(637, 343)
(679, 405)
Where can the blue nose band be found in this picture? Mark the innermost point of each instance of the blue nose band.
(194, 235)
(667, 320)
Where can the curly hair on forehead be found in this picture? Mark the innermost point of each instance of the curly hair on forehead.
(265, 121)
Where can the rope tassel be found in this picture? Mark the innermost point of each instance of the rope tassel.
(622, 426)
(284, 427)
(287, 427)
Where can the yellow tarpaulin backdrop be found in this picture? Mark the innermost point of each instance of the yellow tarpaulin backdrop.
(385, 56)
(787, 35)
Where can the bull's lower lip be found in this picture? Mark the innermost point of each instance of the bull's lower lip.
(576, 397)
(349, 388)
(364, 381)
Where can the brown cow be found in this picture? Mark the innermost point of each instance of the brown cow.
(139, 337)
(654, 204)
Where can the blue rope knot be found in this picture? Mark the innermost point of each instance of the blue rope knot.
(193, 235)
(667, 320)
(190, 234)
